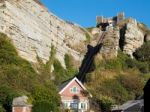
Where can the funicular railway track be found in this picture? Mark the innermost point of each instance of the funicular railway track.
(86, 66)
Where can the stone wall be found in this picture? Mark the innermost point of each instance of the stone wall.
(33, 30)
(22, 109)
(20, 104)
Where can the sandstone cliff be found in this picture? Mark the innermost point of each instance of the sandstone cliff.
(34, 30)
(110, 46)
(134, 38)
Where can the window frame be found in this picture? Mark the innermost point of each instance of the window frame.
(74, 105)
(83, 105)
(65, 104)
(76, 90)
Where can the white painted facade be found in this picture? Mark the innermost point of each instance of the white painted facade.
(81, 106)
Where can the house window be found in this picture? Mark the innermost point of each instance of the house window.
(74, 90)
(65, 105)
(74, 105)
(83, 106)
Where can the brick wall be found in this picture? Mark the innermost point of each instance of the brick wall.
(22, 109)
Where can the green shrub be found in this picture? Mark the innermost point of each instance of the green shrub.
(7, 50)
(45, 69)
(44, 106)
(60, 73)
(134, 83)
(1, 108)
(51, 59)
(6, 97)
(13, 69)
(71, 71)
(123, 62)
(143, 67)
(88, 37)
(115, 90)
(117, 63)
(45, 99)
(106, 103)
(143, 53)
(67, 61)
(113, 64)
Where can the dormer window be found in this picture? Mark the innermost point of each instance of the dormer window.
(74, 90)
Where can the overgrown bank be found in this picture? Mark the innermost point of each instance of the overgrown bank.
(117, 80)
(17, 77)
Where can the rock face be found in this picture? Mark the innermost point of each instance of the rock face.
(110, 46)
(134, 38)
(111, 43)
(33, 30)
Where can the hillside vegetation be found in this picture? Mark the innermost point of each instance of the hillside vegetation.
(118, 80)
(17, 77)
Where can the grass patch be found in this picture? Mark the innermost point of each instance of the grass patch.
(89, 29)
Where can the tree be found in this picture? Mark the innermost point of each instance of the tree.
(45, 100)
(143, 53)
(6, 97)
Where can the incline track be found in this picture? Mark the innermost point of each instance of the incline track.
(89, 59)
